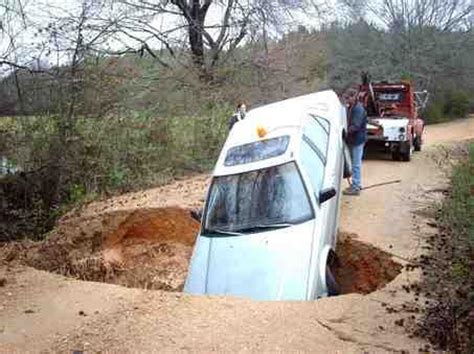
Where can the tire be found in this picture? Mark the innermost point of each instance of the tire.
(347, 161)
(331, 284)
(396, 155)
(406, 156)
(417, 143)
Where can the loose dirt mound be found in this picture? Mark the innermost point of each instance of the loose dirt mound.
(363, 268)
(151, 249)
(145, 248)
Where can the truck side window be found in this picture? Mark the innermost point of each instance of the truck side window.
(317, 131)
(313, 165)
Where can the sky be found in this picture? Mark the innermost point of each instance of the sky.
(30, 41)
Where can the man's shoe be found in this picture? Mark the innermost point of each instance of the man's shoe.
(351, 191)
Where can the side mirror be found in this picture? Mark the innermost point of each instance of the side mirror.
(344, 136)
(326, 194)
(196, 214)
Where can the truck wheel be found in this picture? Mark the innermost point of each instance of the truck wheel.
(396, 155)
(406, 155)
(417, 143)
(331, 284)
(347, 161)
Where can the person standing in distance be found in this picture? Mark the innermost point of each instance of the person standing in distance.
(239, 114)
(356, 138)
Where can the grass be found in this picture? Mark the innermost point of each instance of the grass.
(458, 219)
(449, 281)
(458, 210)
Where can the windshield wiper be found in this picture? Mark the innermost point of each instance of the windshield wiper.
(273, 226)
(224, 232)
(241, 232)
(265, 227)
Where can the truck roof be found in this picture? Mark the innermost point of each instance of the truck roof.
(278, 119)
(391, 85)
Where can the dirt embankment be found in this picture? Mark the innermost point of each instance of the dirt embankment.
(151, 249)
(145, 248)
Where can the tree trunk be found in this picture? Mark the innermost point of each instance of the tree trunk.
(196, 27)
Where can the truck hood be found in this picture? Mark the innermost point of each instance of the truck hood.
(271, 265)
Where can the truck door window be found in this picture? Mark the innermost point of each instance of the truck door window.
(313, 165)
(316, 133)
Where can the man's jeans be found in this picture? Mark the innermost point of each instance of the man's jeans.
(357, 151)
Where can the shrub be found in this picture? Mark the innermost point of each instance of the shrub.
(456, 104)
(104, 155)
(435, 112)
(448, 105)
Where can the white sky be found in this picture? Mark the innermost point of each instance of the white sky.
(40, 12)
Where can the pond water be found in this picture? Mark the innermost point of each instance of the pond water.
(7, 166)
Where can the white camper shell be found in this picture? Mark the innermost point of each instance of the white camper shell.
(270, 222)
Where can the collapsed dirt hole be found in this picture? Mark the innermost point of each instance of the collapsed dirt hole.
(145, 248)
(362, 268)
(151, 249)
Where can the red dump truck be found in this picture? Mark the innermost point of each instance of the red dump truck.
(393, 111)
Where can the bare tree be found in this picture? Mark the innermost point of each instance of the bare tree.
(208, 29)
(445, 15)
(428, 41)
(12, 23)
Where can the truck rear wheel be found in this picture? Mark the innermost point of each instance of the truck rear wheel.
(406, 155)
(331, 284)
(417, 143)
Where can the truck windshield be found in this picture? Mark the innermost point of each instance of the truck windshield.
(259, 200)
(390, 96)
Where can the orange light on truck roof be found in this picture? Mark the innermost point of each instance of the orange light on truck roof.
(261, 131)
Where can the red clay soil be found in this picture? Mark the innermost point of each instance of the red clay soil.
(144, 248)
(151, 248)
(363, 268)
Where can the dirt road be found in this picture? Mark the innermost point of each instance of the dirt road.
(43, 311)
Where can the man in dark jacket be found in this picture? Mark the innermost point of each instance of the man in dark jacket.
(357, 136)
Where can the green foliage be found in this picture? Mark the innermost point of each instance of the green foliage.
(460, 270)
(121, 153)
(406, 76)
(195, 142)
(459, 210)
(435, 112)
(458, 215)
(77, 193)
(457, 219)
(436, 60)
(456, 104)
(105, 155)
(448, 105)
